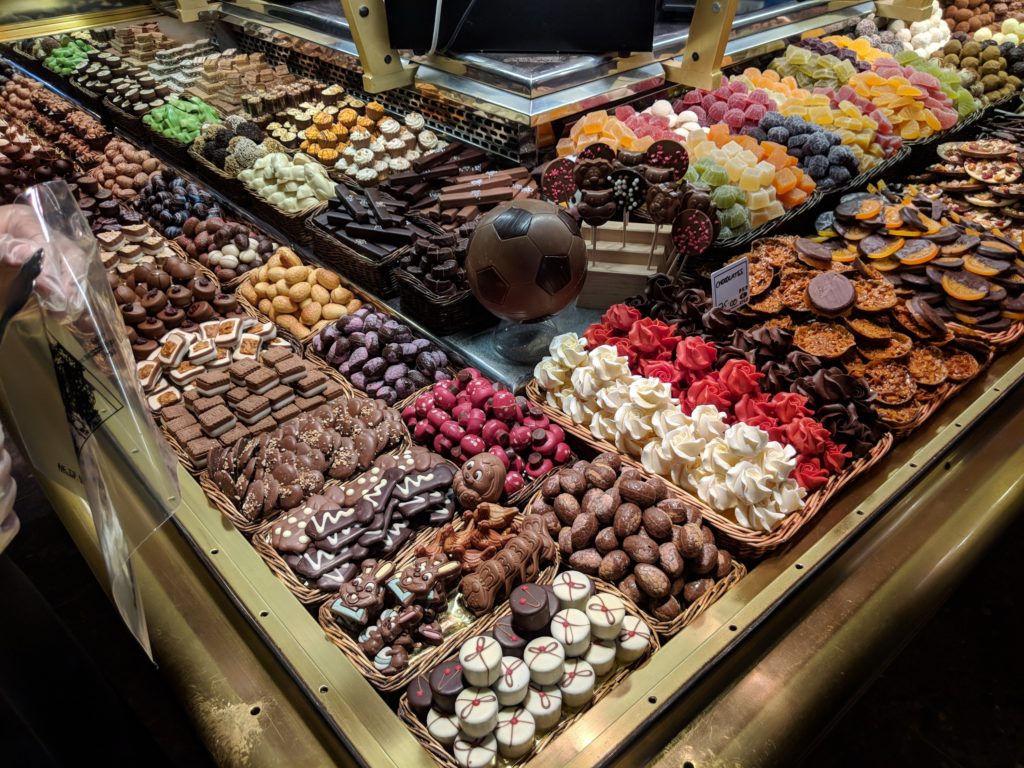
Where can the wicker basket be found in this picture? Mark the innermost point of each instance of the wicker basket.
(428, 657)
(376, 276)
(223, 182)
(176, 151)
(737, 539)
(444, 758)
(291, 225)
(126, 123)
(440, 314)
(1001, 340)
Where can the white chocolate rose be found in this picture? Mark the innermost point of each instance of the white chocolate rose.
(613, 396)
(708, 422)
(585, 382)
(608, 363)
(745, 440)
(650, 394)
(748, 483)
(778, 461)
(551, 374)
(568, 349)
(668, 419)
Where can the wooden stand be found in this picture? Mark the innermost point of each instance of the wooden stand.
(616, 271)
(907, 10)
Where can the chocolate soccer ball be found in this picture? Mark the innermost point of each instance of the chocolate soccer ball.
(526, 260)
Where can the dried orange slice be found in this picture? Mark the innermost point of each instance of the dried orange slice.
(868, 208)
(961, 245)
(965, 286)
(888, 264)
(892, 217)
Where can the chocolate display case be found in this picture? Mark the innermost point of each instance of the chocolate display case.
(752, 680)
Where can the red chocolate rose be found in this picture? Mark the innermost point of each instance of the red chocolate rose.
(653, 339)
(708, 391)
(626, 349)
(597, 334)
(696, 355)
(807, 436)
(661, 369)
(770, 425)
(835, 457)
(740, 377)
(810, 474)
(620, 317)
(752, 406)
(789, 406)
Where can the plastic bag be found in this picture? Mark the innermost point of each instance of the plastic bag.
(66, 358)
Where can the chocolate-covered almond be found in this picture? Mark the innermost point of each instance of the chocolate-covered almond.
(657, 523)
(565, 541)
(642, 549)
(652, 580)
(627, 521)
(606, 540)
(629, 588)
(688, 540)
(572, 481)
(551, 487)
(694, 589)
(670, 561)
(706, 561)
(566, 508)
(724, 564)
(666, 609)
(675, 508)
(708, 534)
(552, 523)
(600, 476)
(614, 566)
(586, 561)
(584, 528)
(599, 504)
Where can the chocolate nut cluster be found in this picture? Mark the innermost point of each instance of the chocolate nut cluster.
(124, 171)
(622, 526)
(282, 468)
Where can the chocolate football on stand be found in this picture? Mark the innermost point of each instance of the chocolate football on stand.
(526, 260)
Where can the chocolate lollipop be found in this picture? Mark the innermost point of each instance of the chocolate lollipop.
(663, 205)
(596, 151)
(630, 191)
(670, 155)
(692, 232)
(597, 204)
(556, 182)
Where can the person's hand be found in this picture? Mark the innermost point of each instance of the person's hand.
(20, 239)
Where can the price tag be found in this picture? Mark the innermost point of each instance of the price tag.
(730, 285)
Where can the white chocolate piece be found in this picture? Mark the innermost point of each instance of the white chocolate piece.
(475, 753)
(515, 732)
(571, 628)
(572, 589)
(172, 350)
(634, 639)
(480, 657)
(202, 352)
(544, 702)
(601, 656)
(444, 728)
(477, 710)
(577, 683)
(545, 658)
(606, 613)
(512, 682)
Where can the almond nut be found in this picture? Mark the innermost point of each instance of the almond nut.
(330, 281)
(333, 311)
(320, 294)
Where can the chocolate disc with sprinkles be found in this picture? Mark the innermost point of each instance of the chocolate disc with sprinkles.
(597, 150)
(629, 189)
(667, 153)
(692, 232)
(557, 182)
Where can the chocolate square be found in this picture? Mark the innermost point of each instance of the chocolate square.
(282, 393)
(190, 397)
(213, 380)
(334, 390)
(309, 403)
(289, 366)
(240, 369)
(274, 355)
(251, 405)
(260, 378)
(310, 382)
(176, 412)
(233, 435)
(215, 418)
(188, 434)
(263, 425)
(198, 449)
(235, 395)
(290, 411)
(181, 422)
(203, 404)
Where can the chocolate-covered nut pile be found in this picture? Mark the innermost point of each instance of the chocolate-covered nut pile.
(180, 66)
(229, 248)
(125, 170)
(169, 201)
(299, 298)
(372, 515)
(371, 222)
(277, 97)
(439, 261)
(379, 355)
(227, 380)
(471, 414)
(623, 527)
(282, 468)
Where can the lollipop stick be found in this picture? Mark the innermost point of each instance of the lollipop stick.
(625, 223)
(593, 240)
(654, 239)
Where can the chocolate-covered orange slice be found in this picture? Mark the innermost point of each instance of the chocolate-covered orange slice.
(961, 245)
(984, 266)
(917, 251)
(965, 286)
(880, 246)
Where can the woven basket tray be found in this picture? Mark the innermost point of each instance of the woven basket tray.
(737, 539)
(175, 150)
(441, 314)
(125, 122)
(430, 656)
(375, 276)
(291, 225)
(223, 182)
(603, 688)
(1000, 340)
